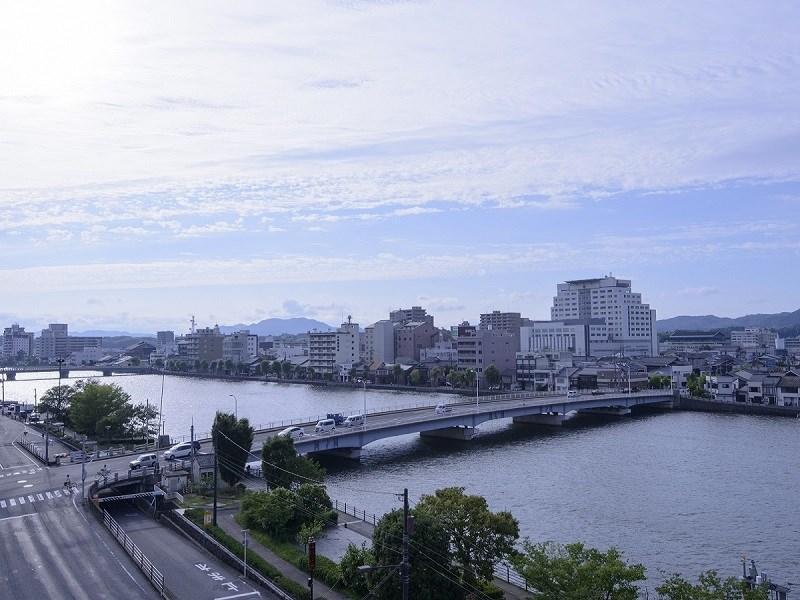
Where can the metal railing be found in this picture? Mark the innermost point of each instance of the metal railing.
(505, 572)
(351, 509)
(151, 572)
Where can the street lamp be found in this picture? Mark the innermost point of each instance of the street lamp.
(365, 401)
(244, 533)
(235, 406)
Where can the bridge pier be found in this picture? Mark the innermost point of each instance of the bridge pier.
(348, 453)
(107, 373)
(451, 433)
(11, 376)
(610, 411)
(548, 419)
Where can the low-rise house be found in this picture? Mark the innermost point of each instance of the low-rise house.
(789, 389)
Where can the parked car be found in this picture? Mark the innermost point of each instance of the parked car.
(144, 461)
(597, 392)
(353, 421)
(572, 393)
(443, 408)
(181, 450)
(292, 432)
(338, 418)
(34, 418)
(325, 426)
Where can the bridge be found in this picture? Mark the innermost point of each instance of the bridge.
(10, 373)
(462, 418)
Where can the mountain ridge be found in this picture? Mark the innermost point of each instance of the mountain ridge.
(782, 320)
(276, 326)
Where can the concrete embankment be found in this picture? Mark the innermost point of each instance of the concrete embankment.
(738, 408)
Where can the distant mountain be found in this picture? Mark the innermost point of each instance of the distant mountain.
(291, 326)
(782, 320)
(110, 333)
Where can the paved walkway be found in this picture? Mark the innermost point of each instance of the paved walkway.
(227, 522)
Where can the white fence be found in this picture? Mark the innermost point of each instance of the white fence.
(147, 567)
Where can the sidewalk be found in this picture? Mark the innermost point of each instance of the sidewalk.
(231, 527)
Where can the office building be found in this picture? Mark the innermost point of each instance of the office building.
(17, 343)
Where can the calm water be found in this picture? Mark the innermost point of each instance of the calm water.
(676, 491)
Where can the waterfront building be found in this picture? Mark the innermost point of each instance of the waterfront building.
(17, 342)
(411, 337)
(443, 353)
(333, 353)
(52, 343)
(165, 343)
(236, 347)
(378, 342)
(479, 348)
(204, 344)
(404, 315)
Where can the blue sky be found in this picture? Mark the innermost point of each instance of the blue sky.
(342, 157)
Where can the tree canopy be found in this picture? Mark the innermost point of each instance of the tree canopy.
(575, 572)
(282, 467)
(232, 441)
(492, 375)
(96, 405)
(56, 400)
(710, 586)
(478, 537)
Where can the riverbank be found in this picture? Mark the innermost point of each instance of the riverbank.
(705, 405)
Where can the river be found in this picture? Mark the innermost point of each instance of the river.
(676, 491)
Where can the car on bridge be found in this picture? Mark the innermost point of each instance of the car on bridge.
(292, 432)
(338, 418)
(144, 461)
(325, 426)
(443, 408)
(353, 421)
(181, 450)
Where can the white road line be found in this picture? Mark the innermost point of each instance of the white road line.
(27, 485)
(57, 493)
(21, 500)
(12, 502)
(20, 516)
(31, 499)
(3, 504)
(40, 496)
(49, 495)
(238, 596)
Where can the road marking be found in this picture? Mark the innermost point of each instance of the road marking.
(40, 496)
(21, 500)
(20, 516)
(31, 499)
(2, 504)
(28, 485)
(22, 481)
(238, 596)
(57, 493)
(49, 495)
(12, 502)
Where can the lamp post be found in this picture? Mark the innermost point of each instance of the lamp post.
(244, 533)
(477, 396)
(235, 406)
(365, 401)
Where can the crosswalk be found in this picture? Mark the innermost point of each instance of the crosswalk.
(20, 471)
(34, 497)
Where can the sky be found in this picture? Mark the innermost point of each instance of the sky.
(239, 161)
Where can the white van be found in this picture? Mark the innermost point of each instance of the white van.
(572, 393)
(325, 425)
(353, 421)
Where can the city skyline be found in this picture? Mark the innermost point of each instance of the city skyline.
(335, 158)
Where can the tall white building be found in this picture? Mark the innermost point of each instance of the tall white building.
(754, 337)
(379, 342)
(630, 325)
(334, 352)
(17, 341)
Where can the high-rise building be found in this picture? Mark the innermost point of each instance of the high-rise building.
(479, 348)
(379, 342)
(17, 342)
(754, 337)
(404, 315)
(630, 325)
(52, 344)
(204, 343)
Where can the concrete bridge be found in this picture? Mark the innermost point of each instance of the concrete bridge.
(10, 373)
(462, 419)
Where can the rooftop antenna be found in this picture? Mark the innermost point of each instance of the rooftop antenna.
(193, 322)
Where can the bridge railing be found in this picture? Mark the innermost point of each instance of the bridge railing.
(147, 567)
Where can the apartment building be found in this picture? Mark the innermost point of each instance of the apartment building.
(479, 348)
(754, 337)
(203, 344)
(17, 342)
(333, 353)
(236, 347)
(378, 342)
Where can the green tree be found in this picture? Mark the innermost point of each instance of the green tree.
(709, 587)
(204, 366)
(55, 401)
(429, 553)
(266, 366)
(282, 467)
(276, 368)
(232, 441)
(142, 421)
(479, 537)
(397, 373)
(436, 376)
(353, 558)
(311, 373)
(492, 376)
(273, 511)
(696, 384)
(455, 378)
(660, 382)
(229, 366)
(97, 405)
(469, 378)
(575, 572)
(286, 369)
(415, 377)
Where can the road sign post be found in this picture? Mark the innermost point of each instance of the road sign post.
(312, 564)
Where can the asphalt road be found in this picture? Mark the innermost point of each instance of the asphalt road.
(53, 549)
(190, 572)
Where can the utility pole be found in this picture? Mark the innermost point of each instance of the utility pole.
(83, 469)
(244, 532)
(405, 577)
(216, 468)
(312, 564)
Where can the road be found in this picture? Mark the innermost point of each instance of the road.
(189, 571)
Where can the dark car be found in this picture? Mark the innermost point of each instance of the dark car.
(338, 418)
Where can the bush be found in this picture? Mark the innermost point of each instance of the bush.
(353, 558)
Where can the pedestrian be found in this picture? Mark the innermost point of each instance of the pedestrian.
(67, 482)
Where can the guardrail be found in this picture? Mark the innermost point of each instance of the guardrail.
(370, 518)
(34, 451)
(151, 572)
(505, 572)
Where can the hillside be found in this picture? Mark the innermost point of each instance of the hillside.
(783, 320)
(291, 326)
